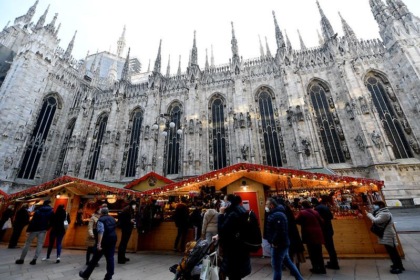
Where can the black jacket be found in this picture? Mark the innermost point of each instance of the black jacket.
(41, 219)
(277, 228)
(22, 218)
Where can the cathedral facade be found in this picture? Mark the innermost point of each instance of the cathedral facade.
(348, 105)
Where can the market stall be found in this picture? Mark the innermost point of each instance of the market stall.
(80, 198)
(254, 183)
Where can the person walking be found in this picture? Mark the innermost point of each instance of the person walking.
(126, 220)
(328, 231)
(181, 218)
(209, 228)
(277, 235)
(383, 218)
(37, 227)
(21, 220)
(57, 232)
(7, 214)
(107, 240)
(236, 263)
(92, 238)
(311, 227)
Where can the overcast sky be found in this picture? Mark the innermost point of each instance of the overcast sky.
(100, 23)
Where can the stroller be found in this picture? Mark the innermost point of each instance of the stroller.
(190, 266)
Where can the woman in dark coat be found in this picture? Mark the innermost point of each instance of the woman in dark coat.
(311, 226)
(21, 220)
(236, 263)
(57, 231)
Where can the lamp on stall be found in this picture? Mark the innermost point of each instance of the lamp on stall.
(58, 195)
(111, 198)
(244, 186)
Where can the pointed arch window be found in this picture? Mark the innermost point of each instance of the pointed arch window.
(391, 122)
(218, 134)
(133, 151)
(173, 141)
(37, 142)
(64, 148)
(328, 124)
(272, 139)
(97, 143)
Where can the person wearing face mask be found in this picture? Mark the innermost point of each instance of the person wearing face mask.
(383, 217)
(127, 221)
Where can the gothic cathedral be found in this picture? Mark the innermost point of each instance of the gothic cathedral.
(348, 105)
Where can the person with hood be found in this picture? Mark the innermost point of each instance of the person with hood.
(57, 231)
(126, 220)
(277, 235)
(37, 227)
(383, 217)
(236, 263)
(21, 220)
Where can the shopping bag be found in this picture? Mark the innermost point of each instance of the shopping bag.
(214, 269)
(7, 224)
(205, 269)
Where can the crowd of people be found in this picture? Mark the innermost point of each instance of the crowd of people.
(214, 217)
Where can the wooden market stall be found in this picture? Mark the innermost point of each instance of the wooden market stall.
(254, 183)
(81, 198)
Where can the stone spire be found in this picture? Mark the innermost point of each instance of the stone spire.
(206, 67)
(148, 67)
(125, 75)
(121, 43)
(302, 44)
(348, 31)
(380, 12)
(7, 25)
(327, 30)
(158, 59)
(92, 66)
(268, 53)
(97, 73)
(261, 48)
(69, 49)
(288, 44)
(51, 26)
(83, 68)
(31, 12)
(179, 67)
(41, 20)
(113, 72)
(194, 57)
(212, 58)
(168, 68)
(279, 35)
(400, 11)
(234, 42)
(320, 39)
(58, 29)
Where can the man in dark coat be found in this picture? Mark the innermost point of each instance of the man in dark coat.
(7, 214)
(126, 221)
(37, 227)
(311, 227)
(277, 235)
(21, 220)
(236, 263)
(181, 218)
(328, 232)
(107, 239)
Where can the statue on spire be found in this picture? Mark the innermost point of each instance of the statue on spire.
(121, 43)
(194, 58)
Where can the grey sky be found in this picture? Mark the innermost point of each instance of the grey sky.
(100, 24)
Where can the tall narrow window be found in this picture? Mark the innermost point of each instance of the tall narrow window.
(133, 150)
(218, 134)
(272, 137)
(65, 146)
(391, 122)
(172, 141)
(95, 149)
(327, 123)
(37, 142)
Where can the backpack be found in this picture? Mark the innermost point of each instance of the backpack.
(249, 232)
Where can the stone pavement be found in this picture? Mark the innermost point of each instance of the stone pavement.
(155, 266)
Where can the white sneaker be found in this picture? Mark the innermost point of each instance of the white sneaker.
(58, 260)
(45, 259)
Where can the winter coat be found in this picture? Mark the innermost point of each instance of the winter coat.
(210, 222)
(236, 262)
(57, 221)
(181, 215)
(311, 226)
(41, 219)
(22, 218)
(296, 244)
(327, 216)
(125, 217)
(277, 232)
(381, 217)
